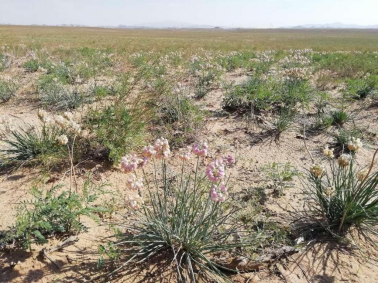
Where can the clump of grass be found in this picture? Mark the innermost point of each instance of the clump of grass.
(295, 90)
(179, 118)
(8, 89)
(340, 117)
(54, 95)
(52, 213)
(28, 144)
(256, 93)
(203, 84)
(343, 198)
(102, 91)
(282, 123)
(321, 102)
(31, 65)
(322, 122)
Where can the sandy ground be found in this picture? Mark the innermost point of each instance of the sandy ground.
(226, 134)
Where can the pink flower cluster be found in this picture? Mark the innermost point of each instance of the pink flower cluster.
(185, 154)
(130, 163)
(229, 160)
(162, 149)
(218, 194)
(148, 151)
(200, 149)
(134, 183)
(215, 170)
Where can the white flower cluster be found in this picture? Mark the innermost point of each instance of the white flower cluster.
(354, 144)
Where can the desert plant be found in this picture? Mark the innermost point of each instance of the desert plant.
(282, 123)
(7, 90)
(294, 90)
(280, 174)
(361, 88)
(255, 93)
(203, 84)
(342, 137)
(28, 143)
(54, 95)
(5, 62)
(321, 101)
(344, 197)
(177, 113)
(53, 213)
(184, 217)
(31, 65)
(340, 117)
(117, 129)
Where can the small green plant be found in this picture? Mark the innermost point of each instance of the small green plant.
(117, 129)
(340, 117)
(361, 88)
(321, 101)
(280, 175)
(7, 90)
(178, 114)
(293, 91)
(256, 94)
(185, 216)
(60, 72)
(53, 213)
(203, 84)
(31, 65)
(321, 123)
(102, 91)
(5, 62)
(282, 123)
(344, 197)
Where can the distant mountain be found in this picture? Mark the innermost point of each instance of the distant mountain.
(333, 26)
(168, 25)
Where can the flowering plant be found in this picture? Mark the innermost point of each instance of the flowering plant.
(344, 196)
(178, 211)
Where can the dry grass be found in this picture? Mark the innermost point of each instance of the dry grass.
(137, 39)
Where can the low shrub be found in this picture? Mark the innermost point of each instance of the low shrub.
(52, 213)
(31, 65)
(361, 88)
(117, 129)
(8, 89)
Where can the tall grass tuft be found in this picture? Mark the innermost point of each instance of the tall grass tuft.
(27, 144)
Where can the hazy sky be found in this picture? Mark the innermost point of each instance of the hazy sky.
(237, 13)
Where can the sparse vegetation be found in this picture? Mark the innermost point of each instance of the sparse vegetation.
(81, 101)
(7, 90)
(344, 197)
(52, 213)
